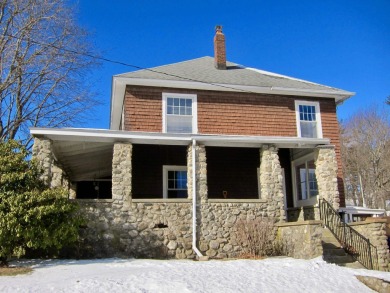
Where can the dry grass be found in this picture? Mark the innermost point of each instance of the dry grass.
(13, 271)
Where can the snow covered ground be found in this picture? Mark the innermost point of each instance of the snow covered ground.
(140, 275)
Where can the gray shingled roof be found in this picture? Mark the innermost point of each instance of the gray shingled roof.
(203, 70)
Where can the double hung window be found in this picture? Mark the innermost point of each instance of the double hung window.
(308, 119)
(179, 113)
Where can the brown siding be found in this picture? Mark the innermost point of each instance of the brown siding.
(232, 114)
(143, 110)
(233, 170)
(148, 161)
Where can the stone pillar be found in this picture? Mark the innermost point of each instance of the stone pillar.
(375, 230)
(121, 174)
(189, 171)
(201, 172)
(326, 174)
(42, 152)
(271, 182)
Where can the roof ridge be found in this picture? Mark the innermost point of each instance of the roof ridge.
(287, 76)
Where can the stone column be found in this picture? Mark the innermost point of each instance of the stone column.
(271, 182)
(121, 174)
(375, 230)
(201, 172)
(326, 174)
(189, 171)
(42, 152)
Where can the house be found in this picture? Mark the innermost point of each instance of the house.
(193, 147)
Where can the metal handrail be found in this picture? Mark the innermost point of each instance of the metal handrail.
(354, 243)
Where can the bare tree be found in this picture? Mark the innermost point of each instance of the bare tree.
(366, 157)
(43, 67)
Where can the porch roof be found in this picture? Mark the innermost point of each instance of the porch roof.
(87, 153)
(136, 137)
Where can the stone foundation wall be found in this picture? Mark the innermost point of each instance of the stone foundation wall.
(218, 226)
(301, 239)
(375, 231)
(163, 229)
(145, 229)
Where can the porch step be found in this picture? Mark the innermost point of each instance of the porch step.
(334, 253)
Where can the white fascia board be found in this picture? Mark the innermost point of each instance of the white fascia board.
(102, 135)
(121, 82)
(117, 99)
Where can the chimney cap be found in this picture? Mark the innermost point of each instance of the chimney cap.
(218, 28)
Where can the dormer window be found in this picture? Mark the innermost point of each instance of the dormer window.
(308, 119)
(179, 113)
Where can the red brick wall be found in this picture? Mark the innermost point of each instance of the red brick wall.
(231, 113)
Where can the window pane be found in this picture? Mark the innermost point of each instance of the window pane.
(170, 102)
(169, 110)
(177, 187)
(306, 180)
(308, 129)
(179, 124)
(188, 103)
(182, 102)
(176, 102)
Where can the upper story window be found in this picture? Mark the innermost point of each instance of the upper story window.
(179, 113)
(308, 119)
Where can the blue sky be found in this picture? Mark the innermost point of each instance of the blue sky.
(340, 43)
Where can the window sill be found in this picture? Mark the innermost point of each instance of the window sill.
(161, 200)
(236, 200)
(94, 200)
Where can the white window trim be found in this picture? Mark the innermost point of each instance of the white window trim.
(194, 109)
(301, 202)
(318, 116)
(167, 168)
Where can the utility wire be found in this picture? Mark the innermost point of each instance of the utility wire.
(126, 64)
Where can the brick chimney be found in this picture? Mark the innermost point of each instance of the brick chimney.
(219, 48)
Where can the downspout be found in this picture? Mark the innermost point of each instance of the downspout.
(198, 253)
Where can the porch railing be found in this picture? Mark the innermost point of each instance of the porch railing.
(354, 243)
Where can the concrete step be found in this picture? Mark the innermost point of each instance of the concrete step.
(353, 265)
(332, 250)
(335, 251)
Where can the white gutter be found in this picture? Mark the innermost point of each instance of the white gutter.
(111, 136)
(194, 224)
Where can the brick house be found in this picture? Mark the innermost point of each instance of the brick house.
(193, 147)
